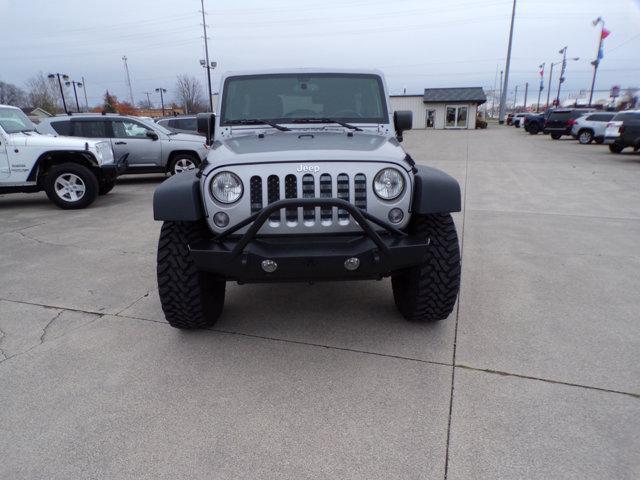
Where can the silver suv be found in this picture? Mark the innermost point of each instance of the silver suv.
(150, 147)
(306, 181)
(591, 127)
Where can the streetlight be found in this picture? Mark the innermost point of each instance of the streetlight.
(541, 67)
(65, 78)
(604, 33)
(74, 83)
(211, 66)
(551, 76)
(563, 51)
(161, 91)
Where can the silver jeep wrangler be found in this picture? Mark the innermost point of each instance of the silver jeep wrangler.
(306, 180)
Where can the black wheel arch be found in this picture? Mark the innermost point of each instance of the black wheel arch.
(56, 157)
(178, 198)
(435, 192)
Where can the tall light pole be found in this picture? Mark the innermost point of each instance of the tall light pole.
(206, 56)
(75, 92)
(563, 51)
(161, 91)
(126, 69)
(549, 84)
(500, 94)
(526, 92)
(515, 98)
(503, 97)
(84, 89)
(65, 77)
(541, 67)
(209, 66)
(603, 34)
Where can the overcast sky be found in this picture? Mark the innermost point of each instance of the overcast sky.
(417, 43)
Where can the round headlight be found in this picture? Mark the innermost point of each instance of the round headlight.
(226, 187)
(388, 184)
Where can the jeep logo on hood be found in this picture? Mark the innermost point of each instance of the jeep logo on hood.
(308, 168)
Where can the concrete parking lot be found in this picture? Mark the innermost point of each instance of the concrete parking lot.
(536, 375)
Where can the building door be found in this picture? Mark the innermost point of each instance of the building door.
(430, 120)
(457, 116)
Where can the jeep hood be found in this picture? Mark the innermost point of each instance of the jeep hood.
(307, 146)
(33, 139)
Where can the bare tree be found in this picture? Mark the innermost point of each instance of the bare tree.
(189, 94)
(43, 93)
(11, 94)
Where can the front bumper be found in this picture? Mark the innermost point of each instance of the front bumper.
(112, 171)
(309, 258)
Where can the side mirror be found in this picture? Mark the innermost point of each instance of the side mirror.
(206, 125)
(402, 121)
(152, 135)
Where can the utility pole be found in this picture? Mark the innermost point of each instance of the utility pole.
(206, 57)
(500, 94)
(148, 99)
(162, 90)
(493, 95)
(526, 92)
(84, 88)
(541, 85)
(515, 98)
(563, 51)
(126, 69)
(503, 97)
(596, 62)
(549, 85)
(65, 77)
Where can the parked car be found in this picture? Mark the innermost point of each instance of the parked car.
(314, 188)
(623, 131)
(517, 119)
(591, 127)
(560, 121)
(534, 123)
(151, 147)
(72, 171)
(181, 124)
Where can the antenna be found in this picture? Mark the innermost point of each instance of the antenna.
(126, 69)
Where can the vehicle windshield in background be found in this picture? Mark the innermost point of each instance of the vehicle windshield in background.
(14, 121)
(285, 98)
(155, 126)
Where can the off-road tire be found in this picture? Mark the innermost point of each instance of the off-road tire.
(88, 178)
(556, 136)
(599, 140)
(534, 129)
(106, 187)
(182, 156)
(615, 148)
(190, 298)
(585, 137)
(428, 292)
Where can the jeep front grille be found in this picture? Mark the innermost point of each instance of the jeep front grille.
(339, 186)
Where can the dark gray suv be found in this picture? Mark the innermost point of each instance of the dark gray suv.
(151, 147)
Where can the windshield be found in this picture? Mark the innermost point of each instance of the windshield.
(155, 126)
(13, 120)
(282, 98)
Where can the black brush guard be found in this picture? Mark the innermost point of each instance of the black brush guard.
(308, 257)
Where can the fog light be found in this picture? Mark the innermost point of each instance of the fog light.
(351, 263)
(221, 219)
(395, 215)
(269, 266)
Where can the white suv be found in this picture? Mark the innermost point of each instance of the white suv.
(591, 127)
(72, 171)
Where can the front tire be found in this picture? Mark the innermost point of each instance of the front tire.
(190, 298)
(183, 162)
(534, 129)
(71, 186)
(556, 136)
(428, 292)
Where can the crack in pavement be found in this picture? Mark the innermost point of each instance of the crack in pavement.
(2, 335)
(134, 302)
(73, 245)
(100, 315)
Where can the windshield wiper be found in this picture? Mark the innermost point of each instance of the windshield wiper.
(326, 120)
(258, 121)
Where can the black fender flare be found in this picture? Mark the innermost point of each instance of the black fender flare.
(435, 192)
(178, 198)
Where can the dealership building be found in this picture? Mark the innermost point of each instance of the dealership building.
(442, 108)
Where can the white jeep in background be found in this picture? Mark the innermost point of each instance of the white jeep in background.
(72, 171)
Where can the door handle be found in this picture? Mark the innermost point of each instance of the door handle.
(120, 143)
